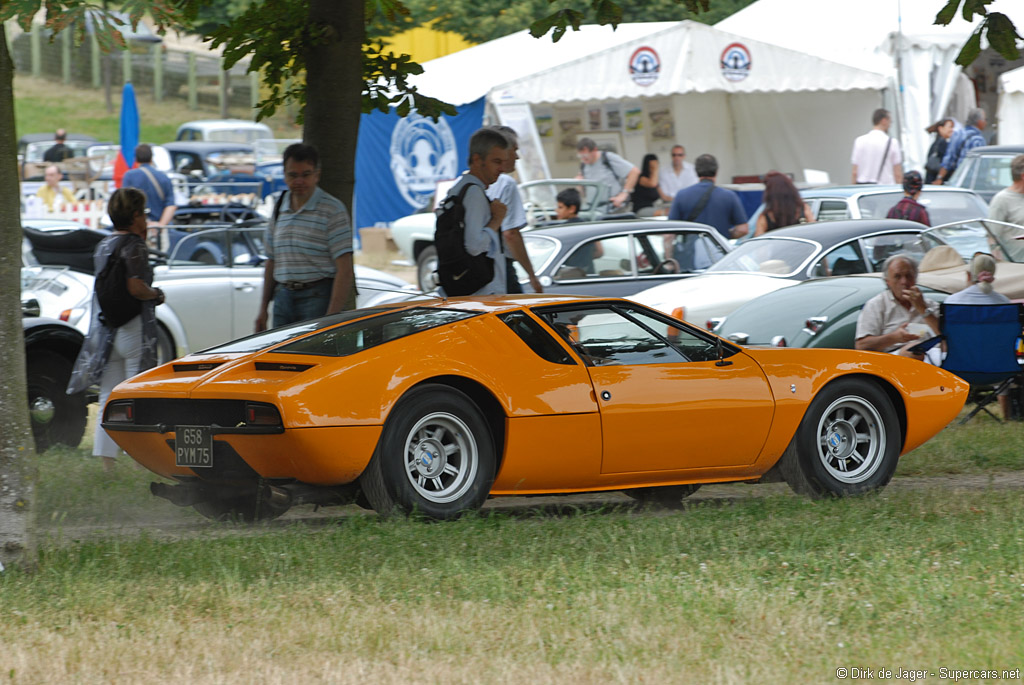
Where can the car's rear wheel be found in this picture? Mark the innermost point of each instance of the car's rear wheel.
(668, 496)
(426, 265)
(435, 456)
(165, 349)
(56, 417)
(848, 442)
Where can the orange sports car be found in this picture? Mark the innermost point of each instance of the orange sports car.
(434, 406)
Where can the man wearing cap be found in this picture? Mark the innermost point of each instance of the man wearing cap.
(909, 208)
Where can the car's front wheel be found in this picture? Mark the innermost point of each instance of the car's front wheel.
(435, 457)
(848, 442)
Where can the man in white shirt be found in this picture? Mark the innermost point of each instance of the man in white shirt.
(680, 175)
(506, 190)
(883, 322)
(876, 157)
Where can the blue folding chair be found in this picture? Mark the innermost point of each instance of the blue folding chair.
(981, 347)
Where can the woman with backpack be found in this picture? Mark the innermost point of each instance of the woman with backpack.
(122, 334)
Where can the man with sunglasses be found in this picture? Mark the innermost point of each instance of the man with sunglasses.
(309, 270)
(680, 175)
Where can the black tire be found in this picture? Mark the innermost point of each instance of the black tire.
(426, 265)
(435, 456)
(848, 442)
(668, 496)
(56, 417)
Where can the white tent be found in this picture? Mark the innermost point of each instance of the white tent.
(467, 75)
(1011, 107)
(755, 106)
(899, 39)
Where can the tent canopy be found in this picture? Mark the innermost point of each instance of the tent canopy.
(467, 75)
(691, 56)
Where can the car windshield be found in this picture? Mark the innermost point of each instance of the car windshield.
(540, 199)
(943, 206)
(1004, 241)
(540, 249)
(237, 135)
(768, 256)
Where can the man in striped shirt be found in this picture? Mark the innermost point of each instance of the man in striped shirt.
(308, 272)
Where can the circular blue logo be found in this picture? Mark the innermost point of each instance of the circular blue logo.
(736, 62)
(422, 153)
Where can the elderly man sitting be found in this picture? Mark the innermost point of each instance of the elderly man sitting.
(52, 193)
(885, 323)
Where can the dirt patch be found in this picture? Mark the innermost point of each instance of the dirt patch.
(178, 524)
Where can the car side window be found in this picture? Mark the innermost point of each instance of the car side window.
(683, 252)
(842, 261)
(833, 210)
(880, 247)
(605, 258)
(536, 338)
(603, 336)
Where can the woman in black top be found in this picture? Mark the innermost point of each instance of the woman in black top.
(111, 353)
(783, 205)
(647, 191)
(943, 131)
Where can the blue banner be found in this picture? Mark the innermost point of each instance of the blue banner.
(400, 160)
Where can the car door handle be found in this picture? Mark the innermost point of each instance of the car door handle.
(245, 287)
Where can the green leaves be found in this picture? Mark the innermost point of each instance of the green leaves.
(996, 27)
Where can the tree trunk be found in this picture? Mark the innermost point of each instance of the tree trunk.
(334, 78)
(16, 449)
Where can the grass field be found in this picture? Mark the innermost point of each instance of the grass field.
(775, 589)
(42, 106)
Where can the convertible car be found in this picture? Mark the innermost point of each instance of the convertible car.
(431, 407)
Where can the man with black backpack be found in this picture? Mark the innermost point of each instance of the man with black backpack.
(615, 172)
(470, 260)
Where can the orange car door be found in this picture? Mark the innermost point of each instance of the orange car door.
(667, 404)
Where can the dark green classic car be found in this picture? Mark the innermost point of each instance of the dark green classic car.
(817, 313)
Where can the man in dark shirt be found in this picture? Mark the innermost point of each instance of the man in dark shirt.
(909, 208)
(58, 152)
(708, 204)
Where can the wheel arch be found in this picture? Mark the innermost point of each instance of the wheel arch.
(166, 318)
(418, 246)
(59, 338)
(485, 400)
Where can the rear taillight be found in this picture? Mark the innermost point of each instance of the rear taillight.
(262, 414)
(778, 341)
(121, 411)
(714, 322)
(65, 315)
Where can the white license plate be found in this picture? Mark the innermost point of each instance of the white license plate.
(193, 446)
